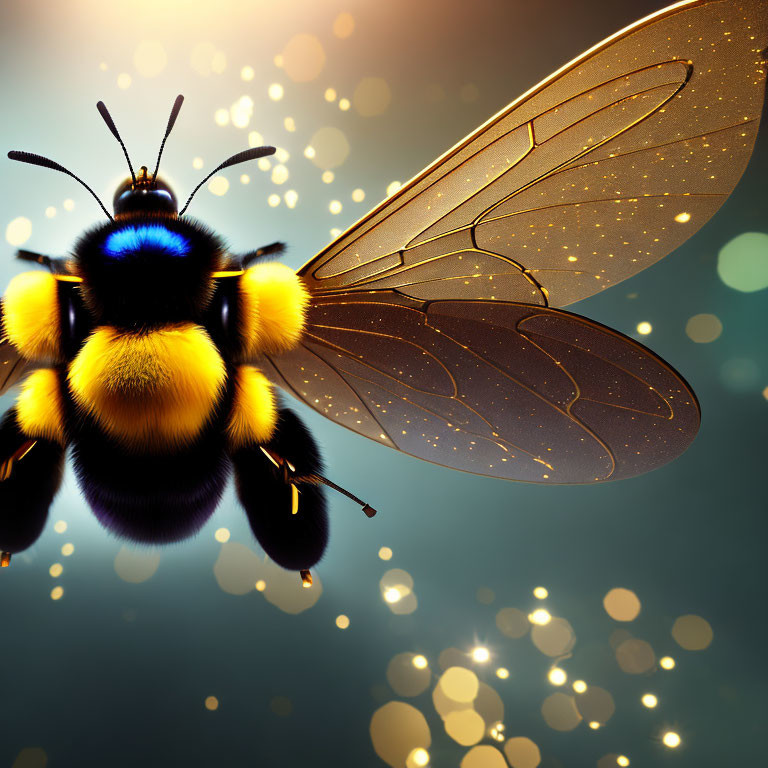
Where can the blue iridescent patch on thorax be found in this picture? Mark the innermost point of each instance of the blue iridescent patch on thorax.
(146, 236)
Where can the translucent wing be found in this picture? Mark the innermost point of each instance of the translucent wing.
(593, 175)
(502, 389)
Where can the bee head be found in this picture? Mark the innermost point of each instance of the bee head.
(144, 195)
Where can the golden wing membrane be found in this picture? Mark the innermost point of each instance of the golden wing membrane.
(502, 389)
(590, 177)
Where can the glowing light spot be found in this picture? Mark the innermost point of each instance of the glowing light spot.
(309, 152)
(275, 91)
(465, 726)
(211, 703)
(343, 27)
(67, 549)
(385, 553)
(278, 60)
(344, 104)
(502, 673)
(521, 752)
(218, 185)
(481, 655)
(279, 174)
(622, 760)
(459, 684)
(221, 117)
(397, 731)
(245, 178)
(419, 757)
(289, 124)
(136, 565)
(197, 163)
(150, 58)
(60, 526)
(622, 604)
(281, 155)
(241, 112)
(742, 264)
(291, 197)
(540, 616)
(372, 96)
(579, 686)
(255, 139)
(330, 95)
(392, 595)
(342, 621)
(420, 662)
(358, 195)
(392, 187)
(273, 201)
(50, 212)
(68, 204)
(644, 328)
(264, 164)
(18, 231)
(692, 633)
(303, 58)
(260, 585)
(222, 535)
(681, 218)
(671, 739)
(328, 177)
(335, 207)
(649, 700)
(408, 674)
(540, 593)
(557, 676)
(335, 232)
(594, 725)
(331, 148)
(56, 593)
(703, 328)
(124, 81)
(667, 662)
(247, 73)
(56, 570)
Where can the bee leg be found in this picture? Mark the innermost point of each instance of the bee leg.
(288, 519)
(30, 475)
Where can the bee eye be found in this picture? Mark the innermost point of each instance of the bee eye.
(152, 237)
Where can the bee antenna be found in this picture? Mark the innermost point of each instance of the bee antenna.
(104, 112)
(171, 122)
(240, 157)
(44, 162)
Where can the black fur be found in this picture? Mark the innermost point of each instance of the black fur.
(292, 541)
(27, 494)
(148, 288)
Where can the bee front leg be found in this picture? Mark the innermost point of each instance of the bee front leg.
(30, 475)
(288, 518)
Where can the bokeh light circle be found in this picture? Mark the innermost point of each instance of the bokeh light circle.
(742, 263)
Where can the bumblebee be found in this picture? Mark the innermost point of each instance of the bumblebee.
(433, 325)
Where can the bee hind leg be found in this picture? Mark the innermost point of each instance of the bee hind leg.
(288, 518)
(30, 476)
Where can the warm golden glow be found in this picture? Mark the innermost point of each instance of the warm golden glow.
(222, 535)
(681, 218)
(56, 593)
(56, 570)
(540, 593)
(261, 585)
(67, 549)
(211, 703)
(644, 328)
(622, 604)
(649, 700)
(540, 616)
(594, 725)
(579, 686)
(557, 676)
(392, 595)
(622, 760)
(667, 662)
(335, 206)
(481, 655)
(671, 739)
(275, 91)
(459, 684)
(385, 553)
(502, 673)
(692, 632)
(419, 757)
(342, 621)
(420, 662)
(60, 526)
